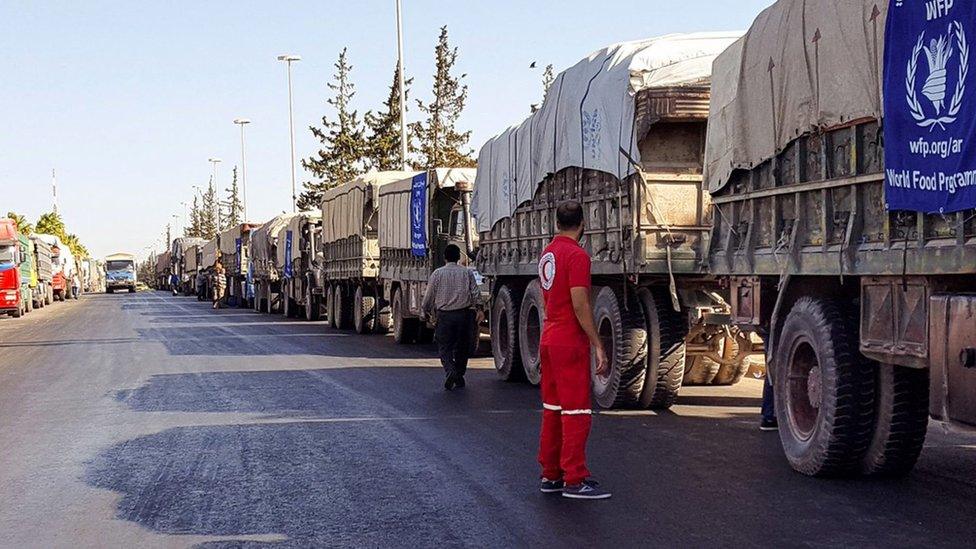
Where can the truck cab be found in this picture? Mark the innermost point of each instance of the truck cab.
(14, 293)
(120, 273)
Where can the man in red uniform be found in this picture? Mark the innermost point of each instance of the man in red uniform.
(567, 336)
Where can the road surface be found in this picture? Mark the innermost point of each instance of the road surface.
(151, 421)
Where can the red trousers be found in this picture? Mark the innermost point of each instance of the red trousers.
(566, 413)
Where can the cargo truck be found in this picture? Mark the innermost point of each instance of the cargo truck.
(163, 270)
(62, 264)
(350, 227)
(265, 274)
(621, 132)
(120, 273)
(418, 217)
(209, 255)
(45, 271)
(191, 265)
(15, 292)
(862, 281)
(183, 254)
(299, 260)
(234, 244)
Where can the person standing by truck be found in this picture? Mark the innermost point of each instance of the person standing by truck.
(452, 292)
(568, 335)
(219, 284)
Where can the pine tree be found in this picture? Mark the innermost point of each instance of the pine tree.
(439, 142)
(194, 230)
(343, 140)
(209, 216)
(233, 203)
(383, 146)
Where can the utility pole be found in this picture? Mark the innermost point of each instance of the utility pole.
(54, 189)
(403, 92)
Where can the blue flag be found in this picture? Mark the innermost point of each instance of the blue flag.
(418, 215)
(288, 268)
(930, 106)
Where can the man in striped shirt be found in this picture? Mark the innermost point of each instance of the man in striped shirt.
(453, 294)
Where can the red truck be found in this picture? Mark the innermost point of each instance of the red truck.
(12, 298)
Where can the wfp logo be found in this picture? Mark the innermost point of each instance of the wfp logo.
(942, 54)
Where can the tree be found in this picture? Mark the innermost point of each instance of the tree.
(209, 216)
(343, 140)
(439, 142)
(194, 229)
(23, 227)
(51, 223)
(383, 146)
(233, 204)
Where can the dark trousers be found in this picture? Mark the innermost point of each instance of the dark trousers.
(454, 331)
(768, 401)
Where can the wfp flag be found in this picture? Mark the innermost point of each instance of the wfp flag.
(418, 215)
(930, 105)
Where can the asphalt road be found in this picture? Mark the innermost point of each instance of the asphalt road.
(147, 420)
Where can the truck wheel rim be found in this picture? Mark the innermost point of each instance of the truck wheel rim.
(804, 389)
(601, 383)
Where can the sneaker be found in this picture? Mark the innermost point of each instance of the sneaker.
(449, 383)
(547, 486)
(588, 489)
(768, 425)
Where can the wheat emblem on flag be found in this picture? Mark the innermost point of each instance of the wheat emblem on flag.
(939, 52)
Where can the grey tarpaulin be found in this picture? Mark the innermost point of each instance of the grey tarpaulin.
(587, 116)
(804, 64)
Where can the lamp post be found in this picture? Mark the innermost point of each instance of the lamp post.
(289, 59)
(403, 93)
(216, 212)
(243, 122)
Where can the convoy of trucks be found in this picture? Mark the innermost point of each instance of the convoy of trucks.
(736, 206)
(37, 269)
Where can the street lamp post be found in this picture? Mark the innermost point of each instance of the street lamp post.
(403, 93)
(289, 59)
(243, 122)
(216, 212)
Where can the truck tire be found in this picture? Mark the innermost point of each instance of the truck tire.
(18, 312)
(665, 367)
(363, 311)
(824, 390)
(531, 315)
(313, 304)
(625, 341)
(329, 294)
(504, 334)
(343, 311)
(404, 329)
(901, 421)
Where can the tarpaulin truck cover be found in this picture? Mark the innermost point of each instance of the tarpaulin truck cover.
(395, 204)
(588, 117)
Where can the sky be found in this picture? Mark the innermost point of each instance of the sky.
(128, 100)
